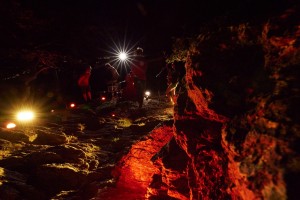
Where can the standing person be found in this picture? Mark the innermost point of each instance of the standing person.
(84, 84)
(138, 71)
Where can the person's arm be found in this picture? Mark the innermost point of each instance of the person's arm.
(117, 73)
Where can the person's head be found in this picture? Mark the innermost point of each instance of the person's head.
(139, 51)
(88, 69)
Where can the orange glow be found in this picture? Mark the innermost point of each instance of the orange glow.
(172, 101)
(135, 170)
(10, 125)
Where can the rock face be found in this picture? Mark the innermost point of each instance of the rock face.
(236, 120)
(135, 170)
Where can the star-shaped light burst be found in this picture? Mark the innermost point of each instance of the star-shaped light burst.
(122, 55)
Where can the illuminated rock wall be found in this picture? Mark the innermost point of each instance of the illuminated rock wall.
(236, 116)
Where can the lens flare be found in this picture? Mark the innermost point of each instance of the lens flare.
(121, 53)
(25, 116)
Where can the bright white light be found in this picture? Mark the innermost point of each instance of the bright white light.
(10, 125)
(122, 56)
(25, 116)
(72, 105)
(147, 93)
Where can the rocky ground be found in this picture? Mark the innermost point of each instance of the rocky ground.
(77, 153)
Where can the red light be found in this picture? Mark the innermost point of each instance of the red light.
(103, 98)
(72, 105)
(113, 115)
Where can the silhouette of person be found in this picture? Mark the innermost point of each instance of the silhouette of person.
(84, 84)
(138, 72)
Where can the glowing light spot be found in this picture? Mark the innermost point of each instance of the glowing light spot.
(25, 116)
(103, 98)
(72, 105)
(113, 115)
(147, 94)
(123, 56)
(10, 125)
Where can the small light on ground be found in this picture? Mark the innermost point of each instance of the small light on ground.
(72, 105)
(10, 125)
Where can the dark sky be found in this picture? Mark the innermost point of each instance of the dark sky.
(144, 20)
(147, 23)
(87, 29)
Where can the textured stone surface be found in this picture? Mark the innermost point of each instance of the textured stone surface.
(236, 117)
